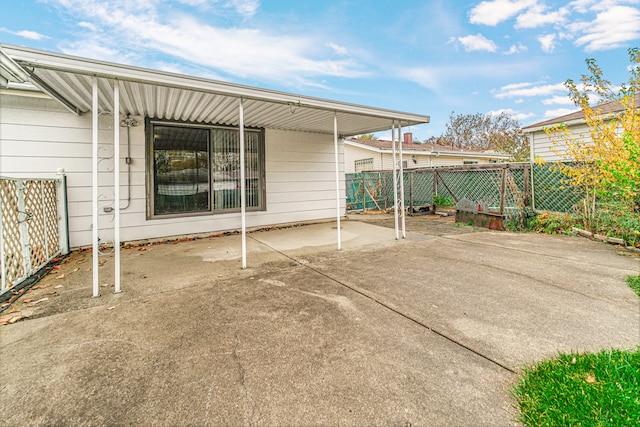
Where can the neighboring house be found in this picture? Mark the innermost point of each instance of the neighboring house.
(541, 146)
(377, 154)
(179, 139)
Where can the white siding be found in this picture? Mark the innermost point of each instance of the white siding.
(351, 154)
(37, 137)
(384, 160)
(544, 149)
(430, 160)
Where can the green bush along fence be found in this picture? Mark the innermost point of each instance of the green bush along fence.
(502, 188)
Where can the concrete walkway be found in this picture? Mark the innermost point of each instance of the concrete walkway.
(430, 330)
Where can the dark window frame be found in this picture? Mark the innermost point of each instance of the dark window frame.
(150, 123)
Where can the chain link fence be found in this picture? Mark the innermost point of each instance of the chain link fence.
(503, 188)
(553, 191)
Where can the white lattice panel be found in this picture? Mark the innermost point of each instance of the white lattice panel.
(12, 262)
(30, 227)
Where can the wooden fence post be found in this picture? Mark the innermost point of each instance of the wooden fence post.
(503, 190)
(410, 193)
(526, 172)
(364, 194)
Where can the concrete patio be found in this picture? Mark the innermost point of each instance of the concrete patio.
(430, 330)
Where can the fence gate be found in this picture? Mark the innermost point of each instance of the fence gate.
(33, 226)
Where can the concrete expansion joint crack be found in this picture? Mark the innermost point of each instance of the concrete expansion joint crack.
(250, 407)
(397, 311)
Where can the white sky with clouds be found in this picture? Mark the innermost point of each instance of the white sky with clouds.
(429, 57)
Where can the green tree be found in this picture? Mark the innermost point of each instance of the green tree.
(605, 163)
(499, 132)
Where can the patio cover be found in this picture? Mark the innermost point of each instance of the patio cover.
(85, 85)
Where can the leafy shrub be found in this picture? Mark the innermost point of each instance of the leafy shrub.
(440, 200)
(616, 218)
(553, 222)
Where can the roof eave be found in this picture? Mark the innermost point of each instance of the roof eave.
(90, 67)
(537, 128)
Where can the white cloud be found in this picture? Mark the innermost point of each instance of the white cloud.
(340, 50)
(441, 79)
(593, 24)
(245, 8)
(558, 100)
(611, 28)
(477, 42)
(529, 90)
(88, 25)
(516, 49)
(27, 34)
(494, 12)
(511, 112)
(247, 53)
(31, 35)
(537, 16)
(93, 49)
(547, 42)
(428, 77)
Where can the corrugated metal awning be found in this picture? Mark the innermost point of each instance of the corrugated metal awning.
(170, 96)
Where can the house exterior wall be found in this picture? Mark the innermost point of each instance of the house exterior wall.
(384, 160)
(543, 148)
(351, 154)
(38, 136)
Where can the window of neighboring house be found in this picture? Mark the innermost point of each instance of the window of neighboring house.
(195, 170)
(469, 162)
(404, 164)
(363, 165)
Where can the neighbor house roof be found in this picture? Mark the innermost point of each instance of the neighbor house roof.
(578, 116)
(173, 96)
(381, 145)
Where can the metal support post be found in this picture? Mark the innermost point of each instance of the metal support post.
(335, 144)
(94, 187)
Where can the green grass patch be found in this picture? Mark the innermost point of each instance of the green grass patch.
(588, 389)
(634, 283)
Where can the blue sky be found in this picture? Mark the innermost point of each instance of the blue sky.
(427, 57)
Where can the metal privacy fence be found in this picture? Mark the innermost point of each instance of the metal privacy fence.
(33, 226)
(502, 188)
